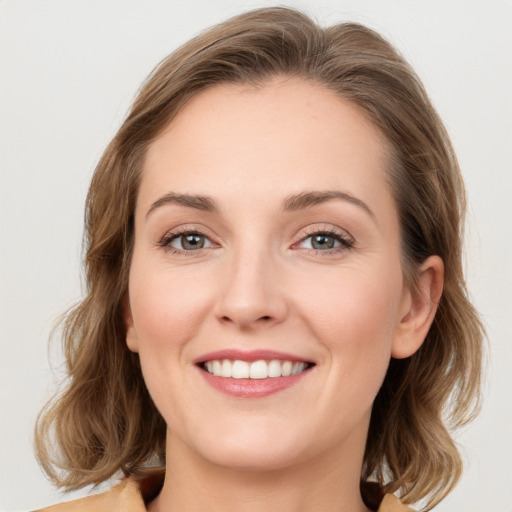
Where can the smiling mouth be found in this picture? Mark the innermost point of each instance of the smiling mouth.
(261, 369)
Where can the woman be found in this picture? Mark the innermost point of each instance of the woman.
(276, 315)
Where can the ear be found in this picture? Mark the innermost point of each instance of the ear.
(419, 306)
(131, 334)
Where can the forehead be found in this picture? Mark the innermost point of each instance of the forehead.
(288, 135)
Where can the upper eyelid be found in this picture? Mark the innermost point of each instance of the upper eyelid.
(188, 229)
(325, 229)
(303, 233)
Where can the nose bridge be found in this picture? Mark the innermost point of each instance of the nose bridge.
(252, 294)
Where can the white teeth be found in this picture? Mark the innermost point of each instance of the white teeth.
(298, 368)
(274, 368)
(225, 370)
(286, 369)
(240, 370)
(261, 369)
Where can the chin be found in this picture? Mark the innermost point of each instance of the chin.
(261, 448)
(253, 458)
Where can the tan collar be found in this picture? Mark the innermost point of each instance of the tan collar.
(132, 493)
(124, 497)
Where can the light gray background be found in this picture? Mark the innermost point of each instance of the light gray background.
(68, 72)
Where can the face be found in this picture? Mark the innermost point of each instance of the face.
(265, 292)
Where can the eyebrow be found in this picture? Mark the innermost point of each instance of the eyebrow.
(291, 203)
(198, 202)
(309, 199)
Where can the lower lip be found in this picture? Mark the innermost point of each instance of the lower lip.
(252, 388)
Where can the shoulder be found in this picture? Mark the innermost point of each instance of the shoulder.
(124, 497)
(391, 503)
(128, 496)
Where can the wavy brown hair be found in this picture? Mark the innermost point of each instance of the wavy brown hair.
(104, 420)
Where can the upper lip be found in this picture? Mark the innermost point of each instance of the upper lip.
(250, 356)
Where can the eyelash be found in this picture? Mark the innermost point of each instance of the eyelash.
(168, 238)
(345, 241)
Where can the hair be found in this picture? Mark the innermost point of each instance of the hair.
(104, 421)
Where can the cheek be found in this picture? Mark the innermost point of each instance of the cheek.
(167, 307)
(354, 313)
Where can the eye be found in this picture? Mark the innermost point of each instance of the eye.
(320, 242)
(186, 242)
(325, 241)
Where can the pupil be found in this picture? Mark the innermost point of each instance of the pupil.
(322, 242)
(191, 242)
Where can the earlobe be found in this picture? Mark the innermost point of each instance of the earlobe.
(420, 306)
(131, 334)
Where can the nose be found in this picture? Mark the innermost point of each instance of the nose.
(253, 295)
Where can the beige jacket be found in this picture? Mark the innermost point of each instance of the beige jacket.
(130, 496)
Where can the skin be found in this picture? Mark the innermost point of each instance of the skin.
(258, 284)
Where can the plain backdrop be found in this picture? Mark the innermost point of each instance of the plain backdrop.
(68, 72)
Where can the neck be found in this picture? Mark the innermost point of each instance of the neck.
(329, 482)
